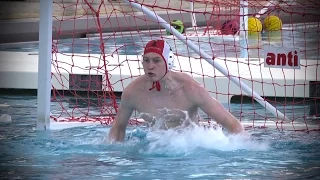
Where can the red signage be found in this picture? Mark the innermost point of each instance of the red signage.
(280, 57)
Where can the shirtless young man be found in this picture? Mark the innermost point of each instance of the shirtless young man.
(163, 95)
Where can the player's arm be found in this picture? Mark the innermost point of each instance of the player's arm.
(201, 97)
(120, 123)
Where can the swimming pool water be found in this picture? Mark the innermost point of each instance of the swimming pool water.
(81, 153)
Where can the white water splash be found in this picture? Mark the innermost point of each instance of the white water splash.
(189, 140)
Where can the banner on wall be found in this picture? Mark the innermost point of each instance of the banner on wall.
(281, 57)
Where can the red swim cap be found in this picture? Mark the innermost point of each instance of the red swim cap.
(162, 48)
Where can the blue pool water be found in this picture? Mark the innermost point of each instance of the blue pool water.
(81, 152)
(303, 36)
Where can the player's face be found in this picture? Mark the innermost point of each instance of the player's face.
(154, 66)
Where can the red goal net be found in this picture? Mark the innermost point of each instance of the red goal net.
(271, 46)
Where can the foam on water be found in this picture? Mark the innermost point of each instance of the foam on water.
(187, 138)
(190, 140)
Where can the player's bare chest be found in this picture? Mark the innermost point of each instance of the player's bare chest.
(149, 102)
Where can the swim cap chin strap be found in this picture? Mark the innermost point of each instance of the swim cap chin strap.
(157, 83)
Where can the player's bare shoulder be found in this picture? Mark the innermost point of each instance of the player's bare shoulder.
(133, 88)
(190, 87)
(188, 83)
(136, 85)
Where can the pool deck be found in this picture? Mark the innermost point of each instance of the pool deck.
(19, 70)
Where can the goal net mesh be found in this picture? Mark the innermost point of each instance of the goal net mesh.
(97, 48)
